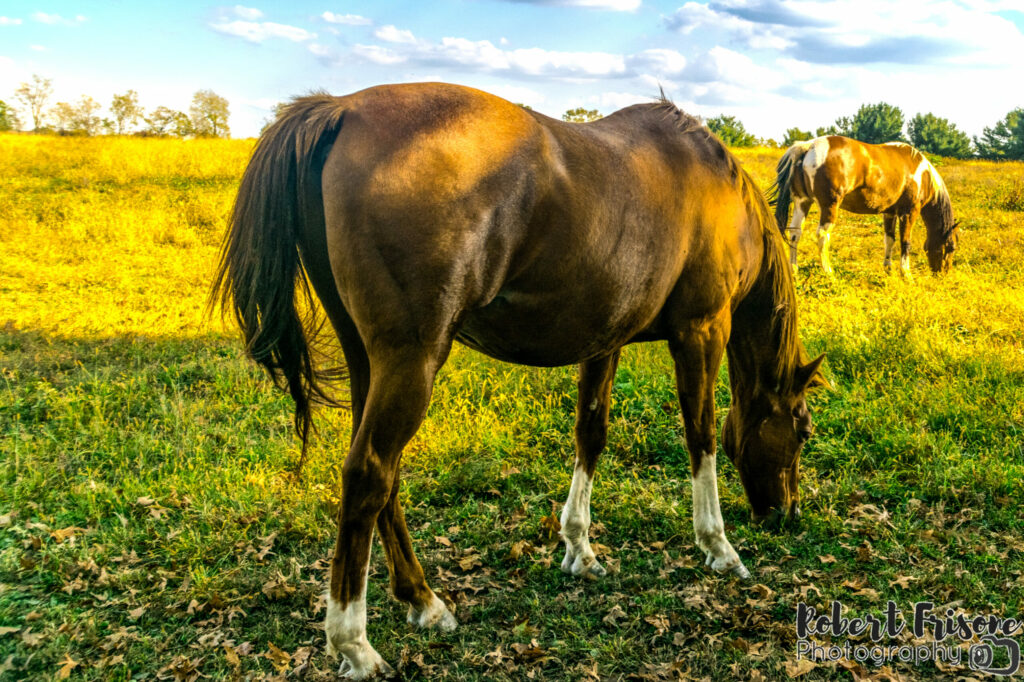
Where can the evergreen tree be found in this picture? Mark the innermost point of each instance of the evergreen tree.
(731, 131)
(935, 135)
(1004, 140)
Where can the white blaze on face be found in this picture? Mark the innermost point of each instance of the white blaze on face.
(815, 159)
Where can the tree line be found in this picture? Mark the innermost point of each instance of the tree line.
(207, 116)
(878, 123)
(882, 122)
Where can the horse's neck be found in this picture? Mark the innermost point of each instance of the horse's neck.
(754, 343)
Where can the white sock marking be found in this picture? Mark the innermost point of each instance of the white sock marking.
(707, 520)
(346, 635)
(579, 557)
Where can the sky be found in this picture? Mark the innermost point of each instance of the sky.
(774, 64)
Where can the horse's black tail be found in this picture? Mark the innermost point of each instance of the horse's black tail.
(780, 195)
(260, 276)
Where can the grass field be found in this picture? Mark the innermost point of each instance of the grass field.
(150, 528)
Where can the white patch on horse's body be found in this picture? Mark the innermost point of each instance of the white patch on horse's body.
(814, 159)
(708, 526)
(434, 613)
(346, 635)
(579, 557)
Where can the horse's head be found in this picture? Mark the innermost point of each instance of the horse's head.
(940, 249)
(764, 439)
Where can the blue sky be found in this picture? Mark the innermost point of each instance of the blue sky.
(772, 63)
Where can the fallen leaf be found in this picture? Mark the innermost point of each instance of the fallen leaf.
(827, 559)
(66, 666)
(135, 614)
(614, 615)
(801, 667)
(443, 540)
(280, 659)
(5, 630)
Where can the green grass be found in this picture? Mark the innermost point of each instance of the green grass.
(150, 526)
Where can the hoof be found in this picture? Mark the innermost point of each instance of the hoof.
(586, 567)
(378, 669)
(434, 614)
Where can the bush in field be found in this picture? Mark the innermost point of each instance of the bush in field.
(1004, 140)
(795, 135)
(731, 131)
(874, 123)
(8, 117)
(935, 135)
(581, 115)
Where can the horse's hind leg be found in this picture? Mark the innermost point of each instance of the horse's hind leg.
(829, 214)
(401, 380)
(595, 388)
(795, 229)
(889, 222)
(697, 353)
(408, 583)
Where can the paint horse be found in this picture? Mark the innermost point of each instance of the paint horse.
(893, 179)
(424, 214)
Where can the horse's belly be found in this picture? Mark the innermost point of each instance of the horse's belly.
(547, 335)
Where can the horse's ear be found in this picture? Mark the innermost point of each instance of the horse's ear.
(810, 375)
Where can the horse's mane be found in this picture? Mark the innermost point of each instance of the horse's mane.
(773, 295)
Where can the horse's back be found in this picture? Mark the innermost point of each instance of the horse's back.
(542, 242)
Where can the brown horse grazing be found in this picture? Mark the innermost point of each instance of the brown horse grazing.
(428, 213)
(893, 179)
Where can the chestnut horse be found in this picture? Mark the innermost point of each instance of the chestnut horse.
(422, 214)
(893, 179)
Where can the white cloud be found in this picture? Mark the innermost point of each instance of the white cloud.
(483, 55)
(613, 5)
(8, 21)
(392, 34)
(44, 18)
(320, 50)
(607, 102)
(38, 48)
(518, 93)
(378, 55)
(346, 19)
(250, 13)
(257, 32)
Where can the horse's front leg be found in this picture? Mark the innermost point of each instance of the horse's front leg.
(889, 223)
(829, 215)
(595, 388)
(697, 353)
(906, 225)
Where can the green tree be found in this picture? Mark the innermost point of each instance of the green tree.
(209, 114)
(827, 130)
(80, 118)
(731, 131)
(34, 96)
(581, 115)
(795, 135)
(1004, 140)
(935, 135)
(126, 111)
(278, 110)
(874, 123)
(164, 122)
(8, 117)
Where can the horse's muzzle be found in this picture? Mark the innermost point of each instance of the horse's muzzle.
(777, 518)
